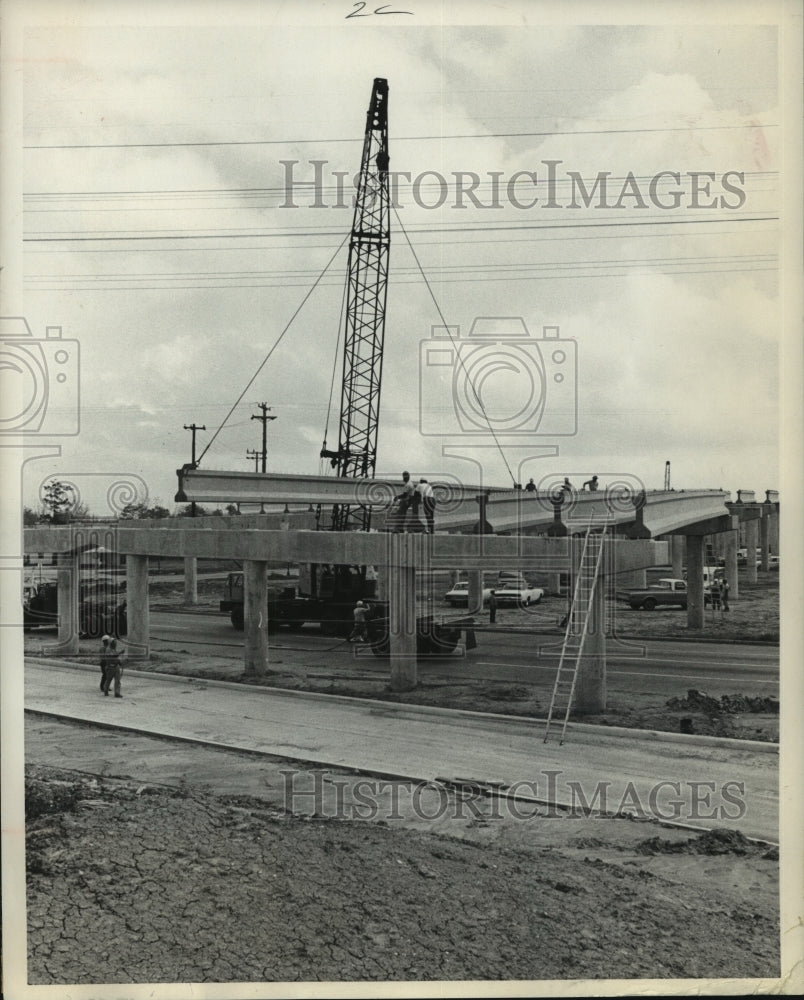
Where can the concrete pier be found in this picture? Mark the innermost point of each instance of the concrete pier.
(475, 577)
(138, 637)
(751, 555)
(255, 609)
(590, 687)
(190, 580)
(730, 567)
(402, 619)
(695, 581)
(677, 556)
(67, 591)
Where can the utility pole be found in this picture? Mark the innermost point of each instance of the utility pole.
(667, 476)
(194, 428)
(264, 418)
(253, 453)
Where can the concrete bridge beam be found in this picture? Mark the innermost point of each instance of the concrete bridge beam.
(138, 637)
(67, 597)
(255, 611)
(695, 581)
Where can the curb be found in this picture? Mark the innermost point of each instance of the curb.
(619, 732)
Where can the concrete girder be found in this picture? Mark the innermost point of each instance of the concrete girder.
(355, 548)
(711, 526)
(506, 509)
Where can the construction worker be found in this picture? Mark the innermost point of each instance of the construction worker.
(104, 659)
(360, 614)
(425, 490)
(406, 499)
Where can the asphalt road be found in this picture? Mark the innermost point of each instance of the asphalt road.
(662, 665)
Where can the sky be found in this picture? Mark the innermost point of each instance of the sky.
(159, 236)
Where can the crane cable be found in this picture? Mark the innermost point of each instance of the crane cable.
(469, 380)
(273, 348)
(341, 328)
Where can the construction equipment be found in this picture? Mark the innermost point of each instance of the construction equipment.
(587, 580)
(367, 289)
(327, 594)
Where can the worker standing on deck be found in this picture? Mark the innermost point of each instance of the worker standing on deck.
(425, 490)
(406, 499)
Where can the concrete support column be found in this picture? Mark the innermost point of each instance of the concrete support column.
(138, 637)
(773, 531)
(255, 610)
(554, 583)
(677, 556)
(402, 626)
(635, 579)
(731, 539)
(67, 597)
(764, 542)
(751, 551)
(475, 577)
(695, 582)
(590, 687)
(190, 580)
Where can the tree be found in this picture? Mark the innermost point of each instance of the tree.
(29, 517)
(232, 508)
(138, 511)
(58, 498)
(187, 511)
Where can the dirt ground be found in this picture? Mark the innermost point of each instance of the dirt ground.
(184, 864)
(152, 862)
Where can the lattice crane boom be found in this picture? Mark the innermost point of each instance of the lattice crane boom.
(367, 287)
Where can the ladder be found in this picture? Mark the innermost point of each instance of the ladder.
(577, 629)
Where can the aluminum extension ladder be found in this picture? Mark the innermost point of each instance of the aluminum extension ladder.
(577, 629)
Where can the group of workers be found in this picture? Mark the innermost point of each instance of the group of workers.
(410, 500)
(566, 486)
(111, 664)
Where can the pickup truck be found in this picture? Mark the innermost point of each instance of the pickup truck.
(666, 591)
(518, 593)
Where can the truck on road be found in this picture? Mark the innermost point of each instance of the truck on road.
(666, 592)
(326, 596)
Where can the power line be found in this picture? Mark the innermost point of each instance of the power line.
(432, 230)
(403, 138)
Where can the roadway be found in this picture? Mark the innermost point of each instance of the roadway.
(698, 781)
(664, 666)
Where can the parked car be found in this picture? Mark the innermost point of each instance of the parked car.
(518, 593)
(458, 596)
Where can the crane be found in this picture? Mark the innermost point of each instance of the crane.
(367, 288)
